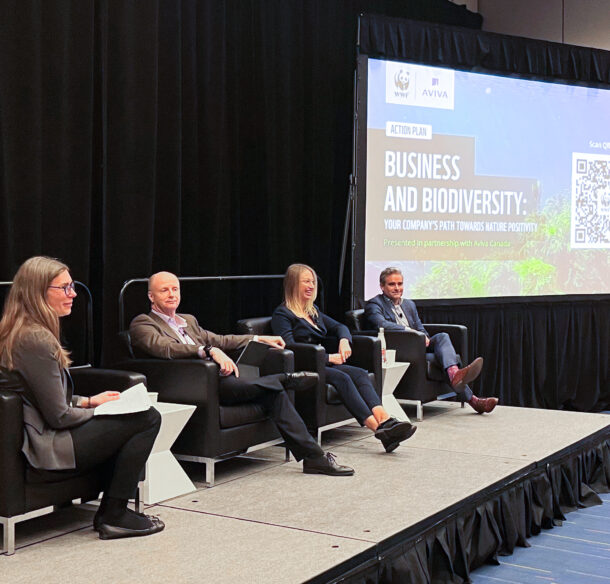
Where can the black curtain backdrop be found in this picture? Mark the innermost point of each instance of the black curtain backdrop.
(540, 352)
(204, 137)
(437, 44)
(49, 152)
(209, 138)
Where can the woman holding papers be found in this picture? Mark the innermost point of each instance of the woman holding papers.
(299, 320)
(60, 431)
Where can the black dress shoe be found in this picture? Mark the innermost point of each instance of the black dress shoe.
(326, 465)
(97, 520)
(107, 531)
(300, 380)
(392, 433)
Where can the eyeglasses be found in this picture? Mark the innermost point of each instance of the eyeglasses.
(67, 288)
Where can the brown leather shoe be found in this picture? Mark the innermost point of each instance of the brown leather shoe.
(483, 405)
(467, 374)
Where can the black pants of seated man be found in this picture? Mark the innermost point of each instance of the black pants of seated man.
(269, 392)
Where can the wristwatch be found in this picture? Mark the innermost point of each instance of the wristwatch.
(208, 351)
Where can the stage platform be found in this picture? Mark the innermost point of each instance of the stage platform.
(463, 489)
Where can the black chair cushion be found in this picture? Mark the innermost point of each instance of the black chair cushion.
(240, 414)
(260, 325)
(39, 475)
(434, 372)
(332, 397)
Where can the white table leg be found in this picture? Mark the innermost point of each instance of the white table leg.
(393, 408)
(165, 478)
(392, 374)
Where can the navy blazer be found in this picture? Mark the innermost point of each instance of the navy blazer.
(293, 329)
(379, 313)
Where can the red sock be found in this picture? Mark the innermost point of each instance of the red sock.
(451, 371)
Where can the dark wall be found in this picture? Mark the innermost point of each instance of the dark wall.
(203, 137)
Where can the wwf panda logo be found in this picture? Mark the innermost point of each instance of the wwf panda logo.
(401, 79)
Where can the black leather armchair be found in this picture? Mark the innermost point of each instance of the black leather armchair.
(322, 409)
(214, 432)
(424, 380)
(26, 493)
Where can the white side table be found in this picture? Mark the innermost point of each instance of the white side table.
(165, 478)
(391, 375)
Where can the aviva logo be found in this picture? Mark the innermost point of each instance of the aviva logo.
(435, 93)
(417, 85)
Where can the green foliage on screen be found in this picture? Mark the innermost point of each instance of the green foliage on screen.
(541, 265)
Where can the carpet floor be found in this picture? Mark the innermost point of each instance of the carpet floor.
(578, 552)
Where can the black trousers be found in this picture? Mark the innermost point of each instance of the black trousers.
(269, 392)
(123, 443)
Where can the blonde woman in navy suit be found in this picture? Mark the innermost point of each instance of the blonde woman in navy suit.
(299, 320)
(60, 432)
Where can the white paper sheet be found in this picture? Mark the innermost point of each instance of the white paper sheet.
(132, 400)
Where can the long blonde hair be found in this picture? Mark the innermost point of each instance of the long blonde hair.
(26, 307)
(291, 291)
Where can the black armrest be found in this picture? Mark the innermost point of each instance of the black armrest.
(308, 357)
(278, 361)
(12, 462)
(410, 345)
(309, 404)
(181, 381)
(366, 353)
(90, 381)
(367, 332)
(457, 333)
(186, 381)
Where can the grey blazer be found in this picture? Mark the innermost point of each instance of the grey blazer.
(152, 335)
(48, 404)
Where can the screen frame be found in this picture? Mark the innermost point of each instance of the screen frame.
(357, 299)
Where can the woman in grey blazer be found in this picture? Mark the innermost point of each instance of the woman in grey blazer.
(60, 432)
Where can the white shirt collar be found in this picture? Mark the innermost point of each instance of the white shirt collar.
(178, 321)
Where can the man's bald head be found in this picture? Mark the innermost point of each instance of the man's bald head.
(164, 292)
(160, 276)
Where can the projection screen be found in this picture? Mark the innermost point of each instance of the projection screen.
(478, 185)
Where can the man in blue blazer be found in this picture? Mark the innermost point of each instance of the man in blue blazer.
(395, 313)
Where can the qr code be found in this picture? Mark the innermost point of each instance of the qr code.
(590, 200)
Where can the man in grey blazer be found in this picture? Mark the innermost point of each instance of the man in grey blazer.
(164, 334)
(395, 313)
